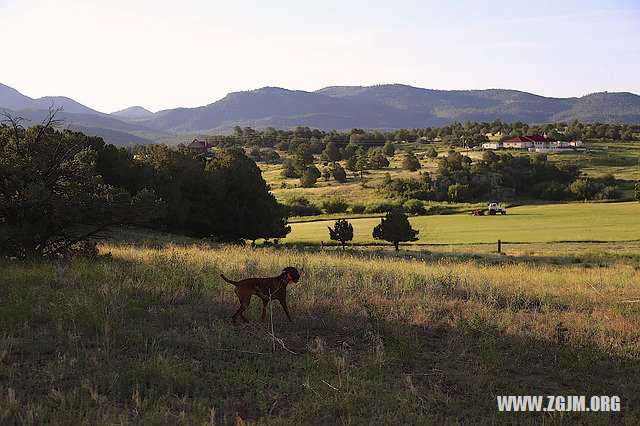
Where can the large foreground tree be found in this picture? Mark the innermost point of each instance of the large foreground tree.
(52, 198)
(246, 209)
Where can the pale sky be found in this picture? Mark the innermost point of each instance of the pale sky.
(162, 54)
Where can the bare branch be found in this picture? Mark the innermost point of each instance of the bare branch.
(14, 123)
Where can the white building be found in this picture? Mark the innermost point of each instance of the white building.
(491, 145)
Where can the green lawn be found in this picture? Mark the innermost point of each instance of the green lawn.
(539, 223)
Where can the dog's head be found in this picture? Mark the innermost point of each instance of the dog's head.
(292, 273)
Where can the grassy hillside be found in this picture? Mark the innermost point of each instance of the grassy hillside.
(143, 334)
(537, 223)
(622, 159)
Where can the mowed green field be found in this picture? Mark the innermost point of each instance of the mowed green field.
(537, 223)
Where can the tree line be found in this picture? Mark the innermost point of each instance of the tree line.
(503, 176)
(470, 133)
(60, 189)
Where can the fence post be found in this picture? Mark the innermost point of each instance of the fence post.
(499, 246)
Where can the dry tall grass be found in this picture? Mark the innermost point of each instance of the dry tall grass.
(143, 335)
(587, 305)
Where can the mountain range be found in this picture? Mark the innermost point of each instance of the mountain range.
(382, 107)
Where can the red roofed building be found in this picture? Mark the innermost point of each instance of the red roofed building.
(530, 141)
(201, 147)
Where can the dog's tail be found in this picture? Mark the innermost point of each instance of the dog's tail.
(228, 280)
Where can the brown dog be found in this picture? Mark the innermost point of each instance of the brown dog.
(266, 289)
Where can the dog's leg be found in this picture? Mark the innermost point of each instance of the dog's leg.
(234, 317)
(265, 302)
(283, 302)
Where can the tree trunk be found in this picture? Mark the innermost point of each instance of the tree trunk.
(342, 245)
(396, 244)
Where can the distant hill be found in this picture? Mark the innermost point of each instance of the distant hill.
(111, 129)
(132, 112)
(14, 100)
(389, 107)
(281, 108)
(77, 117)
(382, 107)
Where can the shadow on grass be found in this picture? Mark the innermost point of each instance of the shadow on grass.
(95, 348)
(429, 254)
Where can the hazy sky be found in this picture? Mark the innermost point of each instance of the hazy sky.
(163, 54)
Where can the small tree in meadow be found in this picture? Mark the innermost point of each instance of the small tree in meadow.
(379, 161)
(388, 149)
(395, 228)
(342, 231)
(331, 152)
(431, 152)
(410, 162)
(309, 177)
(338, 173)
(351, 163)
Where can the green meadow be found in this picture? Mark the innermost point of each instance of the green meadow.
(530, 223)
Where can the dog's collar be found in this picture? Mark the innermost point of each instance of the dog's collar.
(290, 278)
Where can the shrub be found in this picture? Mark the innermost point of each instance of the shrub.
(414, 207)
(380, 208)
(389, 150)
(609, 193)
(379, 161)
(431, 152)
(358, 208)
(410, 162)
(289, 169)
(301, 206)
(309, 177)
(459, 192)
(584, 189)
(338, 173)
(334, 205)
(551, 190)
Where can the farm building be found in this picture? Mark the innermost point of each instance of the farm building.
(201, 147)
(530, 141)
(492, 145)
(537, 143)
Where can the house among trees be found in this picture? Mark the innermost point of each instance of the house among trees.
(534, 143)
(201, 147)
(530, 141)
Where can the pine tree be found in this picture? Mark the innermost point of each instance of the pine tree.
(395, 228)
(342, 231)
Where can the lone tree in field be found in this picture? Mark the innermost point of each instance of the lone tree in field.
(342, 231)
(395, 228)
